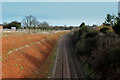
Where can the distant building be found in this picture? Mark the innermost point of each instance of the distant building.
(13, 28)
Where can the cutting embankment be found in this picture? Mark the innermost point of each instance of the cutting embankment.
(28, 55)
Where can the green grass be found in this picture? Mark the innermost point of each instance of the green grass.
(53, 57)
(8, 49)
(88, 71)
(7, 53)
(16, 65)
(3, 58)
(12, 48)
(21, 67)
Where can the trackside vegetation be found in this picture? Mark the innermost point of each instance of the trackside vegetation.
(99, 49)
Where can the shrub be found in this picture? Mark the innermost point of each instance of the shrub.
(91, 44)
(100, 64)
(80, 46)
(100, 53)
(104, 29)
(91, 34)
(75, 37)
(116, 28)
(84, 29)
(115, 55)
(82, 24)
(88, 42)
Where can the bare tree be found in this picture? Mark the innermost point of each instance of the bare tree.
(35, 22)
(43, 25)
(5, 23)
(30, 21)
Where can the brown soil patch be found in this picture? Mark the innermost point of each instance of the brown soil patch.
(30, 61)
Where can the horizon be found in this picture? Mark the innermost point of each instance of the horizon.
(52, 12)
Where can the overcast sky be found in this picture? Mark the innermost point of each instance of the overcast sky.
(59, 13)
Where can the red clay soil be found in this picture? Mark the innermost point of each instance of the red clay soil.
(29, 62)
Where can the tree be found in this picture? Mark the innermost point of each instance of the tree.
(82, 24)
(110, 20)
(5, 23)
(94, 25)
(25, 22)
(105, 29)
(71, 27)
(43, 25)
(30, 21)
(116, 26)
(115, 55)
(35, 22)
(12, 24)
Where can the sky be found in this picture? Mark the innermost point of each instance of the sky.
(59, 13)
(59, 0)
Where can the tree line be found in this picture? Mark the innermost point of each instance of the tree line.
(31, 22)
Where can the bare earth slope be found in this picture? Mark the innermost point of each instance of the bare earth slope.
(28, 56)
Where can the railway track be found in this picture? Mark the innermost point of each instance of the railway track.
(67, 63)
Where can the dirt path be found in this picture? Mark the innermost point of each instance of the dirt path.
(67, 64)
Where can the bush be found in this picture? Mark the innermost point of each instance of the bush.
(114, 58)
(92, 43)
(115, 55)
(88, 41)
(100, 53)
(91, 34)
(101, 66)
(75, 36)
(82, 24)
(84, 29)
(104, 29)
(116, 28)
(80, 46)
